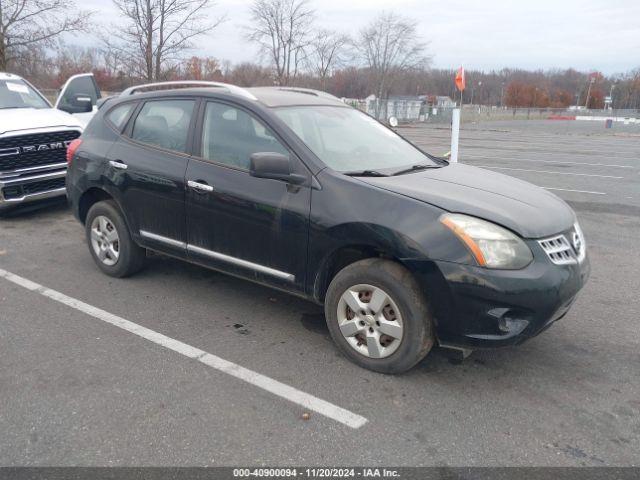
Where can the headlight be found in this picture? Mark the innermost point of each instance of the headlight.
(491, 245)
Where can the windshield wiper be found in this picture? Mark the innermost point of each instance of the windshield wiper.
(415, 168)
(366, 173)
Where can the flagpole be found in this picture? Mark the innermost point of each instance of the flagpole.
(464, 83)
(455, 125)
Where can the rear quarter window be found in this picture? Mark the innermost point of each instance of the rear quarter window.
(119, 115)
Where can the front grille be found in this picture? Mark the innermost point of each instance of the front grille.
(20, 191)
(561, 251)
(558, 250)
(13, 156)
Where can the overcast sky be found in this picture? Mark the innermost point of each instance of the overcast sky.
(587, 35)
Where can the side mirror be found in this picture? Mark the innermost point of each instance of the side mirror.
(82, 103)
(393, 122)
(274, 166)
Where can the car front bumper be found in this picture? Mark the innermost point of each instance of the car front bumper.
(477, 307)
(21, 187)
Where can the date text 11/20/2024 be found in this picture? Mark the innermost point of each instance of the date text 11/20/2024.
(316, 472)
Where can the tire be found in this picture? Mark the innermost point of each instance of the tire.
(125, 257)
(386, 283)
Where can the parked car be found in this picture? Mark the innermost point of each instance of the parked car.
(34, 136)
(294, 189)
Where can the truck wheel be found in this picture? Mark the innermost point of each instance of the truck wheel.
(110, 242)
(378, 316)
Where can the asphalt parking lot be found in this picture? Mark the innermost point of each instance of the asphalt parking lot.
(81, 383)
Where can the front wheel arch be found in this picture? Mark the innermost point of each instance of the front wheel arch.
(339, 259)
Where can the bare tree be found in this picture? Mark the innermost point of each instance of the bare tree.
(327, 52)
(29, 23)
(281, 28)
(390, 45)
(159, 32)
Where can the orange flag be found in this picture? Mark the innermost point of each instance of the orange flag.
(460, 80)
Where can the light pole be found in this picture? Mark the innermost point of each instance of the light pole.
(473, 89)
(592, 80)
(613, 85)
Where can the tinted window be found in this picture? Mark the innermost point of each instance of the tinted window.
(17, 94)
(231, 136)
(164, 123)
(118, 116)
(78, 87)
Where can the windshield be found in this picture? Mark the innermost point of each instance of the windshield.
(348, 140)
(17, 94)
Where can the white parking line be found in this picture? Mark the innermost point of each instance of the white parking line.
(577, 191)
(280, 389)
(518, 159)
(547, 171)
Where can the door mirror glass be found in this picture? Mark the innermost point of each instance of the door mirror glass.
(275, 166)
(82, 103)
(79, 94)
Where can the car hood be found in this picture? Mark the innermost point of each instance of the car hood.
(520, 206)
(16, 119)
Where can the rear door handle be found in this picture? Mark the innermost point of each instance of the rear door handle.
(118, 164)
(199, 186)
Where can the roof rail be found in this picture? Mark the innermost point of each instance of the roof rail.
(309, 91)
(234, 89)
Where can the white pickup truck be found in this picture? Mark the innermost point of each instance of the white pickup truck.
(34, 136)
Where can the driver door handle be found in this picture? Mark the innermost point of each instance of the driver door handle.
(118, 164)
(199, 186)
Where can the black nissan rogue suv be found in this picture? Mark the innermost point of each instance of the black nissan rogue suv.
(294, 189)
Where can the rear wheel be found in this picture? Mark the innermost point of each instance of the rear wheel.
(110, 242)
(378, 316)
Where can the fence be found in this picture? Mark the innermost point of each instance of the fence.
(409, 111)
(403, 109)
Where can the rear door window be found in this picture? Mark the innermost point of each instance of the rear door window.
(164, 124)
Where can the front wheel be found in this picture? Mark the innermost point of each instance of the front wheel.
(378, 316)
(110, 242)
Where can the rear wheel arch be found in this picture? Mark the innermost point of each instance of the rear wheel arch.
(92, 196)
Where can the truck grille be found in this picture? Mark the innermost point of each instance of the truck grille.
(19, 191)
(34, 150)
(561, 251)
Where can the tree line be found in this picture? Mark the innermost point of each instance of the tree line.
(154, 39)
